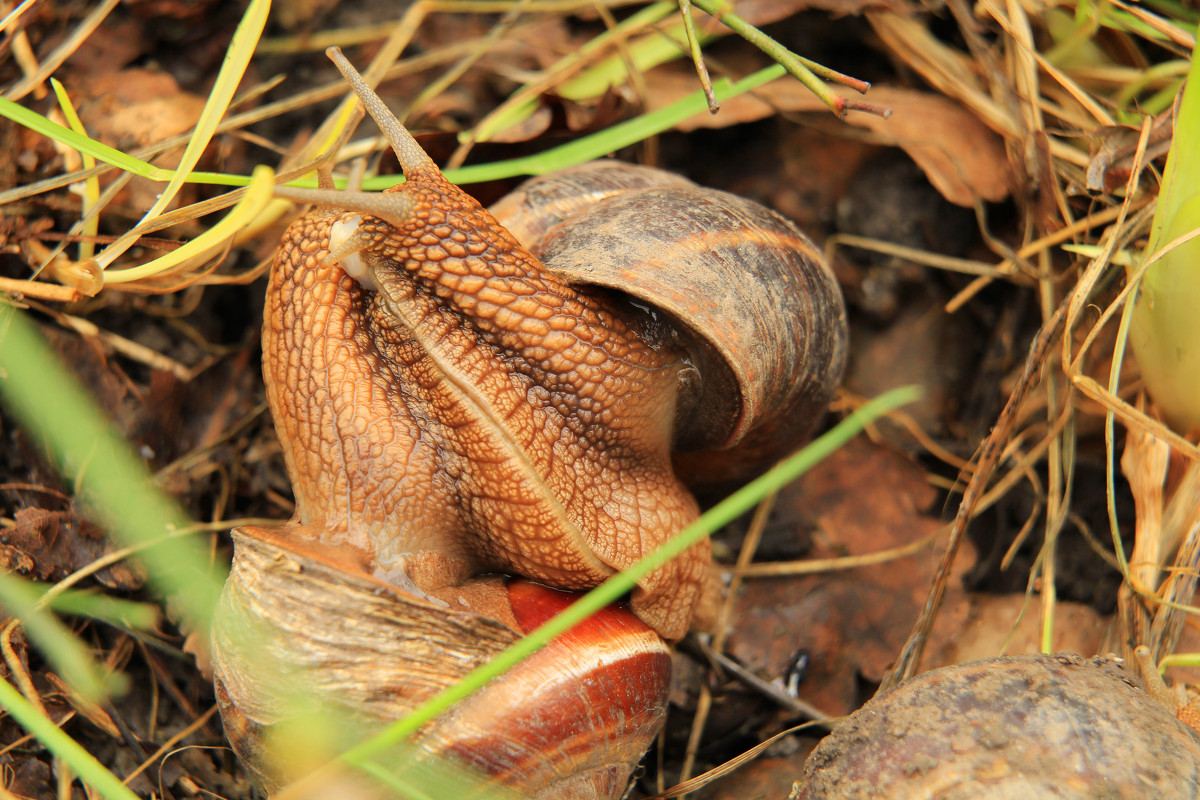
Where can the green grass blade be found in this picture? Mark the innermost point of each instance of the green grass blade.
(596, 145)
(84, 764)
(1163, 330)
(603, 142)
(256, 198)
(115, 611)
(237, 58)
(102, 152)
(66, 654)
(46, 399)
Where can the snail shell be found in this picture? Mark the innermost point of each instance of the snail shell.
(749, 299)
(1045, 726)
(295, 630)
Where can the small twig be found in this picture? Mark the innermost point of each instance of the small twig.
(807, 72)
(40, 290)
(729, 766)
(689, 28)
(817, 565)
(763, 687)
(199, 723)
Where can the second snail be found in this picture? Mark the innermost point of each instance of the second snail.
(478, 411)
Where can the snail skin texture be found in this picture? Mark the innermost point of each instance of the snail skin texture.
(452, 407)
(1044, 727)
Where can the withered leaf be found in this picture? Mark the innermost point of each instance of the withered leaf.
(49, 545)
(850, 623)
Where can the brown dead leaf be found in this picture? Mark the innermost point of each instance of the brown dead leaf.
(964, 159)
(49, 545)
(995, 626)
(851, 623)
(134, 107)
(920, 346)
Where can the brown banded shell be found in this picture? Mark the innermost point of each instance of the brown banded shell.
(756, 309)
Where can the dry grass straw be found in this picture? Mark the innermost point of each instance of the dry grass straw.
(1047, 112)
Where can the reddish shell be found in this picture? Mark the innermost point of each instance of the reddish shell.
(541, 725)
(573, 720)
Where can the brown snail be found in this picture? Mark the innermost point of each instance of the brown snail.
(451, 406)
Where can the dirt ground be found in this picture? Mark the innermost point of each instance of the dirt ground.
(944, 221)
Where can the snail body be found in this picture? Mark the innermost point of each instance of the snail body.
(450, 405)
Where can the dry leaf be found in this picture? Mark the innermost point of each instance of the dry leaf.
(995, 626)
(964, 159)
(850, 623)
(49, 545)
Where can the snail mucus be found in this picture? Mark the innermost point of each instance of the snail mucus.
(461, 399)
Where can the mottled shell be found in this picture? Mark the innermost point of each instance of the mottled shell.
(747, 294)
(1042, 726)
(295, 630)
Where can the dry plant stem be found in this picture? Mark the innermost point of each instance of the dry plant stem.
(637, 81)
(563, 70)
(1145, 466)
(773, 693)
(964, 266)
(1176, 34)
(689, 27)
(62, 52)
(170, 743)
(40, 290)
(807, 72)
(395, 44)
(13, 17)
(716, 773)
(1178, 589)
(1084, 289)
(925, 440)
(816, 566)
(456, 71)
(724, 619)
(126, 347)
(246, 118)
(19, 673)
(1009, 265)
(908, 661)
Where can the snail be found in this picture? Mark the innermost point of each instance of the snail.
(459, 397)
